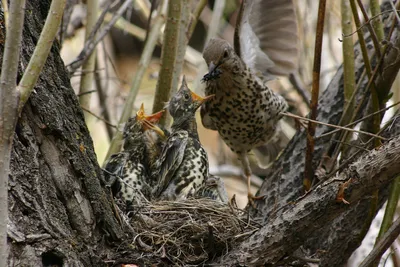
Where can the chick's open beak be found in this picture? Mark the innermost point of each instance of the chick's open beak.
(149, 120)
(154, 118)
(199, 99)
(140, 112)
(150, 126)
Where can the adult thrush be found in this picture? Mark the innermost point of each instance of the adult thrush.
(128, 171)
(244, 110)
(183, 164)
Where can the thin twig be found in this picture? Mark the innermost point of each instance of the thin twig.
(98, 117)
(370, 84)
(368, 71)
(66, 19)
(384, 243)
(357, 121)
(387, 73)
(371, 30)
(8, 111)
(95, 28)
(195, 17)
(86, 93)
(126, 26)
(92, 43)
(168, 55)
(331, 125)
(89, 65)
(42, 50)
(361, 39)
(181, 45)
(359, 28)
(395, 11)
(298, 84)
(308, 170)
(391, 207)
(102, 100)
(377, 23)
(5, 12)
(214, 26)
(226, 170)
(394, 193)
(349, 82)
(144, 62)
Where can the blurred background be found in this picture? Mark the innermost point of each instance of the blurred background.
(118, 59)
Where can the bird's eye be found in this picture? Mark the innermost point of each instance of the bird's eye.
(226, 54)
(186, 96)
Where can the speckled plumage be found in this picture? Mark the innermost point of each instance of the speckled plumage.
(154, 145)
(183, 165)
(128, 172)
(244, 110)
(213, 188)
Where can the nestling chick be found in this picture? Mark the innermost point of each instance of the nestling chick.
(183, 165)
(128, 171)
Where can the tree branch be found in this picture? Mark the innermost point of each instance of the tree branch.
(42, 50)
(308, 168)
(384, 243)
(144, 62)
(91, 44)
(168, 55)
(8, 111)
(283, 182)
(298, 221)
(181, 44)
(88, 67)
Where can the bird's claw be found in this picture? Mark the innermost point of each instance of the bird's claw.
(252, 198)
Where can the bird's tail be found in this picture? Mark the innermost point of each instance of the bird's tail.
(267, 153)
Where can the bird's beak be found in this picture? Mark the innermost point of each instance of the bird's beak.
(149, 120)
(154, 118)
(213, 72)
(198, 99)
(150, 126)
(140, 112)
(211, 67)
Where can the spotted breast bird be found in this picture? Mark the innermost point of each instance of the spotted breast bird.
(183, 164)
(128, 172)
(244, 110)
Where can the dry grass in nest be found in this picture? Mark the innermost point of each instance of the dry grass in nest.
(188, 232)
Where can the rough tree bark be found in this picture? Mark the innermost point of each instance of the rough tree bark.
(60, 214)
(338, 238)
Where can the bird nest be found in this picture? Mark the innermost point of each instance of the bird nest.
(187, 232)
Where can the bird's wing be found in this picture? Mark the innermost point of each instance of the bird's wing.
(113, 170)
(266, 36)
(170, 159)
(267, 153)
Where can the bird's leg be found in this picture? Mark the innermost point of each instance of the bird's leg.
(247, 172)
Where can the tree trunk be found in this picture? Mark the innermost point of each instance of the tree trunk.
(59, 212)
